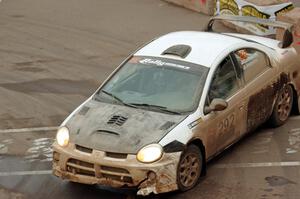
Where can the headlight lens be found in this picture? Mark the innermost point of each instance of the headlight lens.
(150, 153)
(63, 136)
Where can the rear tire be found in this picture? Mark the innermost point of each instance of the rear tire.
(283, 107)
(189, 168)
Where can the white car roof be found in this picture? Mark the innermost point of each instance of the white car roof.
(205, 46)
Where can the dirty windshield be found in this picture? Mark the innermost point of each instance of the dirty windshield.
(157, 84)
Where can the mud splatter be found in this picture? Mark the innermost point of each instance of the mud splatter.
(3, 149)
(40, 150)
(268, 190)
(17, 16)
(4, 144)
(260, 104)
(31, 69)
(294, 141)
(278, 181)
(8, 194)
(261, 144)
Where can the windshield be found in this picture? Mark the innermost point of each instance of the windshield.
(156, 83)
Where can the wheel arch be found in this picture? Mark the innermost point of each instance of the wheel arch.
(198, 142)
(295, 107)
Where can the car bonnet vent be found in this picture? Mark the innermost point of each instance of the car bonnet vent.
(167, 125)
(117, 119)
(84, 110)
(178, 50)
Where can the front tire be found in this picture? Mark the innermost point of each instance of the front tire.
(189, 168)
(283, 107)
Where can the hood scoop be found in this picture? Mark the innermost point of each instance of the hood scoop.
(107, 132)
(117, 120)
(178, 50)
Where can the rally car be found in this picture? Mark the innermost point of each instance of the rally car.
(176, 103)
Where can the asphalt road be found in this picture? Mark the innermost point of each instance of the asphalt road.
(55, 53)
(263, 165)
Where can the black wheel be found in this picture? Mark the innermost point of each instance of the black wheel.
(189, 168)
(283, 106)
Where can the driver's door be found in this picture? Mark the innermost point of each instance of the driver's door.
(224, 127)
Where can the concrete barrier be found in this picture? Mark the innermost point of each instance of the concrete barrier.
(292, 17)
(203, 6)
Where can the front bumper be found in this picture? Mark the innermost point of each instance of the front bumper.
(83, 165)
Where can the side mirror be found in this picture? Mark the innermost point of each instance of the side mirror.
(216, 105)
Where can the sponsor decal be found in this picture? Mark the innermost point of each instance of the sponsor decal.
(285, 9)
(243, 7)
(195, 123)
(162, 63)
(252, 11)
(229, 5)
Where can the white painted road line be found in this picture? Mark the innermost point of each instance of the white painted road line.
(25, 173)
(256, 165)
(27, 130)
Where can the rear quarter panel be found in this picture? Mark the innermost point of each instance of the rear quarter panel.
(289, 63)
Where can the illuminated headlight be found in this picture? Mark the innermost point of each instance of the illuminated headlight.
(150, 153)
(63, 136)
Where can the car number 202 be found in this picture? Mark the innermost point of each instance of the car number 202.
(226, 123)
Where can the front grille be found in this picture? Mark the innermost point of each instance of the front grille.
(81, 163)
(118, 174)
(125, 179)
(116, 155)
(80, 167)
(99, 171)
(117, 119)
(83, 149)
(114, 169)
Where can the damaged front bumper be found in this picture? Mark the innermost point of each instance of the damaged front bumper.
(83, 165)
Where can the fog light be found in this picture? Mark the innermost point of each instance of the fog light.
(151, 176)
(56, 156)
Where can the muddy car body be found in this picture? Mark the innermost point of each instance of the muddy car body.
(172, 106)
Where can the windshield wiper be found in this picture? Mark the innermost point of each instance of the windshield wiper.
(135, 105)
(161, 108)
(117, 98)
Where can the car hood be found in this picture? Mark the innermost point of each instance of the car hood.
(120, 129)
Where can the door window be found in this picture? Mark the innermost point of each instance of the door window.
(225, 81)
(253, 63)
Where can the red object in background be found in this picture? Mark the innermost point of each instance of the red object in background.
(203, 1)
(298, 36)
